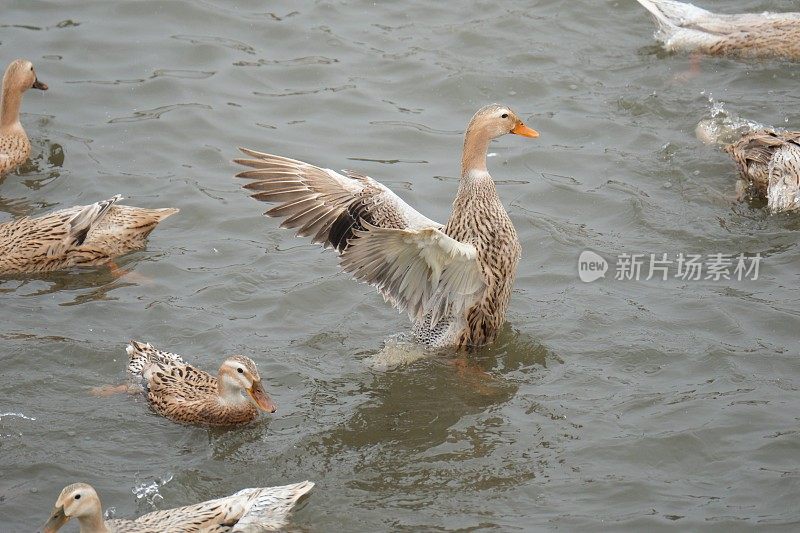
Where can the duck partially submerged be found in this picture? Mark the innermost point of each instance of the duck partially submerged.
(257, 509)
(683, 27)
(454, 280)
(14, 144)
(86, 235)
(769, 161)
(185, 394)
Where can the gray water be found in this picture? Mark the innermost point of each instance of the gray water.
(614, 405)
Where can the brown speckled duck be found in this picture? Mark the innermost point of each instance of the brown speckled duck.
(188, 395)
(14, 144)
(85, 235)
(769, 161)
(684, 27)
(257, 509)
(454, 280)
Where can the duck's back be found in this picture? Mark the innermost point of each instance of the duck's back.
(683, 27)
(754, 155)
(77, 236)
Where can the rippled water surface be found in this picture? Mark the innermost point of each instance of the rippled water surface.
(617, 405)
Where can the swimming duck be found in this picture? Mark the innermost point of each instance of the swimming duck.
(257, 509)
(769, 161)
(186, 394)
(684, 27)
(454, 280)
(14, 144)
(78, 236)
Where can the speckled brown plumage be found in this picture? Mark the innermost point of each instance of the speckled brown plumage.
(685, 27)
(78, 236)
(256, 509)
(770, 162)
(455, 280)
(14, 144)
(185, 394)
(479, 217)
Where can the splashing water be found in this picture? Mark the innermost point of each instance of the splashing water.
(723, 126)
(148, 490)
(397, 351)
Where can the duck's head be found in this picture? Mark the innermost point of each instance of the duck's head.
(78, 500)
(20, 76)
(496, 120)
(239, 373)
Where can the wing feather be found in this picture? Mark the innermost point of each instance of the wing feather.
(419, 271)
(380, 238)
(324, 204)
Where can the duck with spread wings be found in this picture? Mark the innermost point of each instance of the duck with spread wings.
(454, 280)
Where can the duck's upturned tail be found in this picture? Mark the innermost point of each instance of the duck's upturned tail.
(268, 508)
(672, 14)
(681, 26)
(143, 354)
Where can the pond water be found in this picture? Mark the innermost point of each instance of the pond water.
(616, 404)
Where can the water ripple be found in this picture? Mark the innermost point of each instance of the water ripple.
(155, 113)
(221, 41)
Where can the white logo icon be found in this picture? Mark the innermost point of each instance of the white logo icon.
(591, 266)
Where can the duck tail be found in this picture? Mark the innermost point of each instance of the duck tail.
(670, 14)
(143, 354)
(270, 507)
(164, 212)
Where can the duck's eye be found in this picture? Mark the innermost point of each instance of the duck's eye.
(77, 496)
(504, 115)
(31, 68)
(239, 370)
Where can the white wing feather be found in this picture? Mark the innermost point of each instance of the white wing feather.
(420, 271)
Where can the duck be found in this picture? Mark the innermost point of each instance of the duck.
(14, 144)
(185, 394)
(768, 161)
(256, 509)
(454, 280)
(86, 235)
(683, 27)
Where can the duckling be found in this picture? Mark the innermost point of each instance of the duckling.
(188, 395)
(85, 235)
(454, 280)
(14, 144)
(257, 509)
(769, 161)
(684, 27)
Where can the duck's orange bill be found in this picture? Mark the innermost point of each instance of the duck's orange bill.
(261, 398)
(525, 131)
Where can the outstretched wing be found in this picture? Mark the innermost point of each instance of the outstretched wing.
(324, 204)
(418, 271)
(380, 238)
